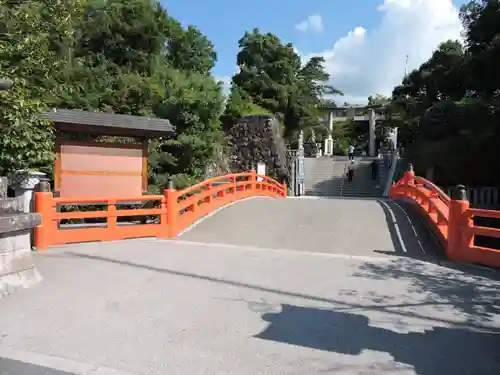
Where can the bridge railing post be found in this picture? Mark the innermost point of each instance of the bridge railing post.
(458, 223)
(253, 180)
(164, 231)
(44, 234)
(409, 180)
(171, 196)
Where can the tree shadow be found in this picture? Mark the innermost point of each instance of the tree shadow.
(468, 289)
(474, 298)
(471, 293)
(460, 311)
(16, 367)
(438, 351)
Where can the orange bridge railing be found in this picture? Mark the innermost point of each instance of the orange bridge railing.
(451, 218)
(174, 211)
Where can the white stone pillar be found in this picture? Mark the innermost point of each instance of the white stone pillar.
(330, 122)
(371, 131)
(261, 170)
(395, 137)
(328, 149)
(301, 140)
(329, 146)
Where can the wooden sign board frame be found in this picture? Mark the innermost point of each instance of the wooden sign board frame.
(105, 164)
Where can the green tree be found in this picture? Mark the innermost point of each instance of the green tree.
(378, 99)
(448, 109)
(126, 57)
(189, 49)
(239, 104)
(26, 141)
(268, 70)
(272, 76)
(439, 78)
(481, 20)
(38, 37)
(129, 34)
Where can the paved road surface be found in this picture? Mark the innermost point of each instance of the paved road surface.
(353, 226)
(171, 307)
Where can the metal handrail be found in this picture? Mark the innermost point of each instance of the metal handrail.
(390, 175)
(343, 180)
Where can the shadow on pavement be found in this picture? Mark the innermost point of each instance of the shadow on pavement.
(14, 367)
(440, 351)
(469, 291)
(470, 296)
(469, 345)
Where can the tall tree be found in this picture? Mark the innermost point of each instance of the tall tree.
(378, 99)
(272, 76)
(189, 49)
(448, 109)
(267, 70)
(481, 19)
(120, 56)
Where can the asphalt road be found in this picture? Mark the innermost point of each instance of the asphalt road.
(176, 307)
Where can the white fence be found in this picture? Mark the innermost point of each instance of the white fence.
(483, 197)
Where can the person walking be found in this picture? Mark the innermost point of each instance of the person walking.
(350, 152)
(350, 171)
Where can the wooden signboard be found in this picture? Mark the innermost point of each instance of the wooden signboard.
(93, 169)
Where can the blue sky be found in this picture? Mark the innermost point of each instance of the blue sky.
(381, 31)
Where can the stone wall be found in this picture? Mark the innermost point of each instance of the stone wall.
(257, 139)
(17, 269)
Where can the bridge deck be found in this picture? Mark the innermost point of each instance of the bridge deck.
(350, 226)
(177, 307)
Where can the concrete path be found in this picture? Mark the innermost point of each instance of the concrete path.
(173, 307)
(352, 226)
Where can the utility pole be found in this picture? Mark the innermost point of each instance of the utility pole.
(406, 66)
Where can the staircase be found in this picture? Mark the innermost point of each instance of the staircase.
(322, 177)
(362, 184)
(326, 177)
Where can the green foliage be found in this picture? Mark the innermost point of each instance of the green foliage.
(193, 102)
(126, 57)
(240, 104)
(344, 133)
(378, 99)
(26, 141)
(448, 109)
(272, 77)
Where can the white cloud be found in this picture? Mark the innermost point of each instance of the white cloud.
(313, 23)
(366, 62)
(226, 83)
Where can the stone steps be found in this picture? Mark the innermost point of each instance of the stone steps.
(327, 177)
